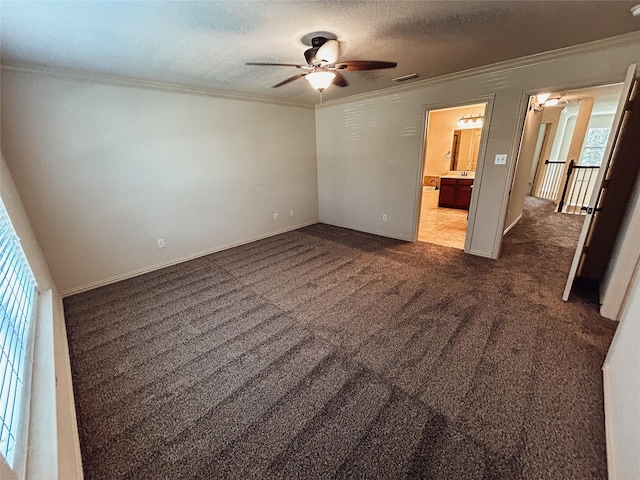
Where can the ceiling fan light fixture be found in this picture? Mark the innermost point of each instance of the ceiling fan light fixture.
(542, 97)
(322, 68)
(552, 102)
(320, 80)
(538, 103)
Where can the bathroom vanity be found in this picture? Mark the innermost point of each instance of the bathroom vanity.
(455, 191)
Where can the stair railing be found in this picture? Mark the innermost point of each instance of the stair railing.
(551, 180)
(577, 187)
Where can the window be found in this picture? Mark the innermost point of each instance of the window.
(17, 297)
(594, 145)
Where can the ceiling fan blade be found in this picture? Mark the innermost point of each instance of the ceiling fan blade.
(340, 80)
(290, 79)
(329, 52)
(310, 55)
(358, 65)
(262, 64)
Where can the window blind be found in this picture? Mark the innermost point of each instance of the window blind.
(17, 297)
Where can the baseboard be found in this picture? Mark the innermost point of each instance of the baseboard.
(607, 422)
(506, 230)
(481, 254)
(152, 268)
(404, 239)
(372, 232)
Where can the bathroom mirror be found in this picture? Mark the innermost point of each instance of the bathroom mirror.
(465, 147)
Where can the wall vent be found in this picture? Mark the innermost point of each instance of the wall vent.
(404, 78)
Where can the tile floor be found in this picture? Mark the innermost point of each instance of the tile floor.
(443, 226)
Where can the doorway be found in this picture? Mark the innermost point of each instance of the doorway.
(452, 148)
(561, 149)
(576, 129)
(562, 160)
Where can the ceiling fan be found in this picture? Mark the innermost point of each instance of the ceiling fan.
(321, 69)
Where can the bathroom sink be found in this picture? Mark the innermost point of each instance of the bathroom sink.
(470, 175)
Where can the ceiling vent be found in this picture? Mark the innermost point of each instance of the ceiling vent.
(404, 78)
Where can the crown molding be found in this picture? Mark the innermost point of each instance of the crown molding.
(527, 61)
(504, 66)
(82, 76)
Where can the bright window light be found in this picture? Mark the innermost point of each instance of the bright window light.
(17, 297)
(594, 146)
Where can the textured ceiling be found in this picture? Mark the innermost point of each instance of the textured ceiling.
(206, 44)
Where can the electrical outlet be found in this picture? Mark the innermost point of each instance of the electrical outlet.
(275, 216)
(161, 243)
(501, 159)
(384, 217)
(291, 213)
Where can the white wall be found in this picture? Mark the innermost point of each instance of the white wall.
(622, 390)
(105, 170)
(369, 147)
(625, 255)
(520, 183)
(567, 135)
(563, 134)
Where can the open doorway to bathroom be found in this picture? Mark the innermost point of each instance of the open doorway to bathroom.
(452, 146)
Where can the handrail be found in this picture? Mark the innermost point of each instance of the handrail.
(573, 166)
(551, 180)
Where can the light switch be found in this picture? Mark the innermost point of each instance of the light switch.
(501, 159)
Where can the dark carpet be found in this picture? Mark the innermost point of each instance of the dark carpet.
(329, 353)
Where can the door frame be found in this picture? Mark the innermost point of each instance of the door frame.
(596, 195)
(519, 132)
(488, 110)
(535, 167)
